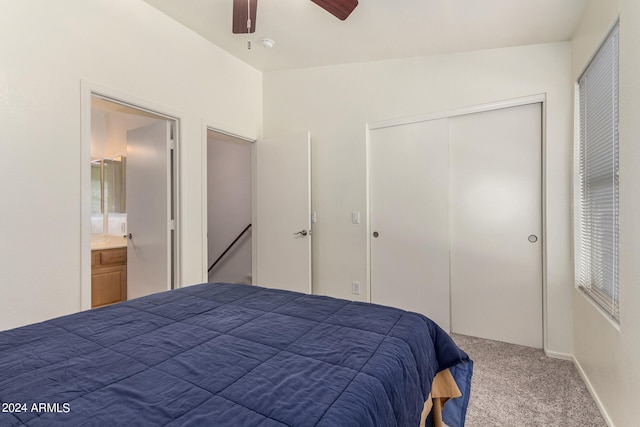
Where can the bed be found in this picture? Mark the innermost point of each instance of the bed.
(237, 355)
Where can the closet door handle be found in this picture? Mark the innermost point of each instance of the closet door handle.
(301, 233)
(128, 236)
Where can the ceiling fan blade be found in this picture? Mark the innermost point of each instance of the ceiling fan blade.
(240, 16)
(341, 9)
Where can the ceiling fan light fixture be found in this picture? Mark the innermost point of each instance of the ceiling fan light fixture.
(268, 43)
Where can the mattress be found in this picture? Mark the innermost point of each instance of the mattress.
(226, 354)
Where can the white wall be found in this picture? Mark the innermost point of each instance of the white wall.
(229, 208)
(46, 50)
(609, 358)
(335, 103)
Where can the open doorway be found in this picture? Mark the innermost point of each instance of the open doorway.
(229, 227)
(133, 203)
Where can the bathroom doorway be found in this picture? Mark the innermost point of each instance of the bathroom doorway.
(133, 203)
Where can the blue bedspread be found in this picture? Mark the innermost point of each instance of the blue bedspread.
(228, 355)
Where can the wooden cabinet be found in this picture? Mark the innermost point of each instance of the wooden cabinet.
(108, 276)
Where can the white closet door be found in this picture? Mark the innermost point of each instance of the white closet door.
(496, 252)
(408, 173)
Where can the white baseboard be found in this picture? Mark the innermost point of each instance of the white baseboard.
(593, 393)
(557, 355)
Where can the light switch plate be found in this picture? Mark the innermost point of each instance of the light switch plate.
(355, 217)
(355, 288)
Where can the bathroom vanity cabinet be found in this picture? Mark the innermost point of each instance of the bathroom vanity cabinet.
(108, 276)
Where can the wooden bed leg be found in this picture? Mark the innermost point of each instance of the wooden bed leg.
(437, 412)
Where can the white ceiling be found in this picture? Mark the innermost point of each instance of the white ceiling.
(305, 35)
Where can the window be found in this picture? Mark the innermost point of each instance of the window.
(597, 198)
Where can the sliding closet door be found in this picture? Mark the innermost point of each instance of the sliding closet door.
(408, 176)
(496, 222)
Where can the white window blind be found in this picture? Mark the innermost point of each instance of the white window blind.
(597, 231)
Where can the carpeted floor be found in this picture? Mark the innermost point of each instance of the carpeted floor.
(516, 386)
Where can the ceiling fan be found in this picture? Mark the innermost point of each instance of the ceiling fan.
(244, 12)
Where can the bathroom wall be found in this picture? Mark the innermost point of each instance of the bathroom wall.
(109, 141)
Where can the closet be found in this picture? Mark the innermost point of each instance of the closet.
(456, 221)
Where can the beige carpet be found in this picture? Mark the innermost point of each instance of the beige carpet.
(516, 386)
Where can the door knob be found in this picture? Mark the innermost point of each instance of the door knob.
(302, 232)
(128, 236)
(376, 234)
(533, 238)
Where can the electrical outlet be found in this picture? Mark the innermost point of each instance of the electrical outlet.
(355, 288)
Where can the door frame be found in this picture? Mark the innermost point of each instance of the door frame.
(87, 90)
(209, 126)
(514, 102)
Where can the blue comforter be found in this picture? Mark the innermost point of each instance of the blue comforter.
(236, 355)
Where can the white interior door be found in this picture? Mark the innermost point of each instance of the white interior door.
(409, 208)
(496, 252)
(148, 188)
(283, 213)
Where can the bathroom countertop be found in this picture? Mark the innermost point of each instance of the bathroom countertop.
(105, 241)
